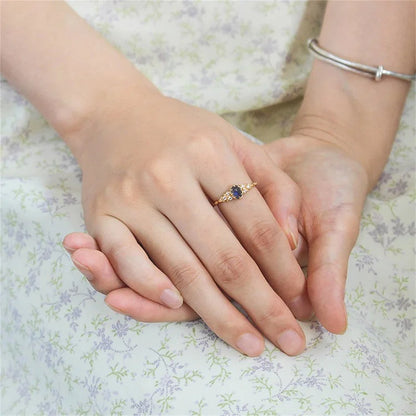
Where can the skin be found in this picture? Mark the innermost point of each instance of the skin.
(137, 198)
(329, 221)
(148, 185)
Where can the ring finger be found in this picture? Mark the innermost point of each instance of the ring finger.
(257, 229)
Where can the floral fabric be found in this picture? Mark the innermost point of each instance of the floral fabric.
(65, 352)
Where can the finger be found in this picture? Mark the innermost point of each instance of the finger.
(280, 192)
(301, 251)
(132, 264)
(94, 265)
(232, 268)
(268, 246)
(330, 243)
(171, 254)
(74, 241)
(130, 303)
(258, 231)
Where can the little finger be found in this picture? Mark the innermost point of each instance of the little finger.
(132, 264)
(94, 265)
(130, 303)
(77, 240)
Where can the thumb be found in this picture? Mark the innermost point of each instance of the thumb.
(331, 239)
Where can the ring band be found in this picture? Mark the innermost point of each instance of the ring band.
(235, 192)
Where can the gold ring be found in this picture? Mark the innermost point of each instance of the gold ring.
(235, 192)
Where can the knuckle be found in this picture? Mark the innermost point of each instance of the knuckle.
(231, 267)
(184, 275)
(127, 189)
(230, 323)
(263, 236)
(273, 313)
(116, 252)
(284, 189)
(162, 180)
(122, 189)
(160, 174)
(102, 288)
(206, 146)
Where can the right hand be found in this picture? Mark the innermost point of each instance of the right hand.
(149, 174)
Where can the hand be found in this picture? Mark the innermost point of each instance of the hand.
(334, 187)
(148, 177)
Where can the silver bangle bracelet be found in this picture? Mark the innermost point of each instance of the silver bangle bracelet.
(375, 72)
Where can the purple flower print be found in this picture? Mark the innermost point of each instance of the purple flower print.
(399, 188)
(69, 199)
(120, 328)
(105, 344)
(398, 228)
(380, 230)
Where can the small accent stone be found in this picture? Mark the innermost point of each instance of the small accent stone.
(236, 191)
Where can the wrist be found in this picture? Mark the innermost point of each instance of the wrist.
(74, 72)
(83, 122)
(328, 131)
(354, 113)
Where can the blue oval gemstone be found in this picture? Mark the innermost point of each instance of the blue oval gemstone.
(236, 191)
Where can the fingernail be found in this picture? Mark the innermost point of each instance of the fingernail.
(250, 345)
(113, 307)
(171, 298)
(68, 249)
(290, 342)
(301, 307)
(293, 231)
(346, 320)
(84, 270)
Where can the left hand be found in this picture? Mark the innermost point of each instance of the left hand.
(333, 186)
(333, 191)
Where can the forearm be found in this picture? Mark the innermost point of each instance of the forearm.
(65, 68)
(352, 111)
